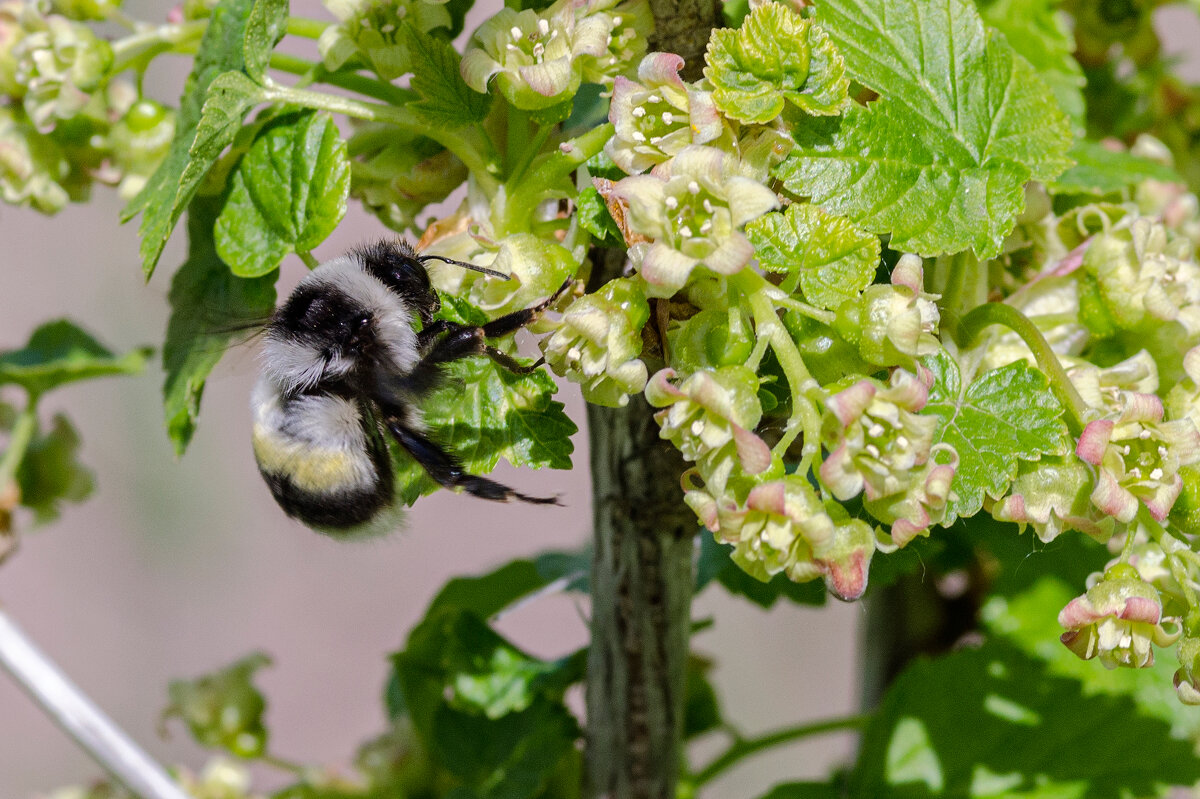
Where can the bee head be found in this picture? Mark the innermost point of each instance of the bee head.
(397, 266)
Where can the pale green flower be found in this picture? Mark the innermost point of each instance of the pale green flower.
(693, 208)
(598, 342)
(33, 168)
(892, 324)
(1119, 620)
(372, 31)
(60, 64)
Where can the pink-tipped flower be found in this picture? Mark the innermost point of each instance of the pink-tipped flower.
(711, 415)
(1118, 620)
(1053, 494)
(693, 211)
(658, 115)
(784, 527)
(1137, 458)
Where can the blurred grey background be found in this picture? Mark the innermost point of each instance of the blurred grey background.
(177, 567)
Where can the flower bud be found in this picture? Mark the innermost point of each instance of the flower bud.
(372, 32)
(1187, 678)
(32, 166)
(598, 343)
(892, 325)
(139, 142)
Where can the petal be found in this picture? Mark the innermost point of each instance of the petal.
(730, 256)
(661, 68)
(1110, 497)
(477, 68)
(1094, 440)
(752, 450)
(548, 78)
(748, 199)
(666, 270)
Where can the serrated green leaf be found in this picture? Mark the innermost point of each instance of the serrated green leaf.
(51, 474)
(287, 194)
(1029, 621)
(940, 160)
(1005, 416)
(483, 413)
(60, 352)
(1041, 34)
(835, 259)
(209, 305)
(162, 200)
(224, 709)
(265, 26)
(1099, 170)
(993, 722)
(445, 99)
(592, 213)
(776, 56)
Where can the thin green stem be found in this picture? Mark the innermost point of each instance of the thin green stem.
(461, 142)
(997, 313)
(963, 289)
(536, 182)
(804, 419)
(283, 764)
(308, 259)
(131, 49)
(744, 747)
(306, 28)
(812, 312)
(362, 84)
(18, 442)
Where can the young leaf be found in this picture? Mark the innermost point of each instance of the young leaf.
(594, 217)
(940, 160)
(223, 709)
(1039, 32)
(835, 259)
(446, 101)
(169, 190)
(1005, 416)
(287, 194)
(265, 26)
(1099, 170)
(484, 412)
(775, 56)
(60, 352)
(208, 305)
(993, 722)
(50, 473)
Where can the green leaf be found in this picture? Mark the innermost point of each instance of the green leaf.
(1041, 34)
(50, 473)
(701, 710)
(1029, 621)
(593, 216)
(835, 259)
(60, 352)
(287, 194)
(775, 56)
(993, 722)
(162, 200)
(940, 160)
(265, 26)
(223, 709)
(1005, 416)
(1099, 170)
(445, 99)
(482, 413)
(208, 307)
(805, 790)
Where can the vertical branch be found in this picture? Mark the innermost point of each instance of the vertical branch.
(641, 598)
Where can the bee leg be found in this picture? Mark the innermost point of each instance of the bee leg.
(431, 331)
(442, 467)
(518, 319)
(510, 363)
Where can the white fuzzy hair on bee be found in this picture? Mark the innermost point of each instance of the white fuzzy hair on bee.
(344, 367)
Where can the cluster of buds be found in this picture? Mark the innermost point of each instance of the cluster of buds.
(892, 324)
(372, 32)
(880, 446)
(540, 59)
(396, 175)
(598, 342)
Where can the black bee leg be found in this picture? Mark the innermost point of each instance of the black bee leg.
(519, 319)
(431, 331)
(442, 467)
(510, 363)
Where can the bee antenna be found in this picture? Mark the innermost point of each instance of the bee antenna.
(463, 264)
